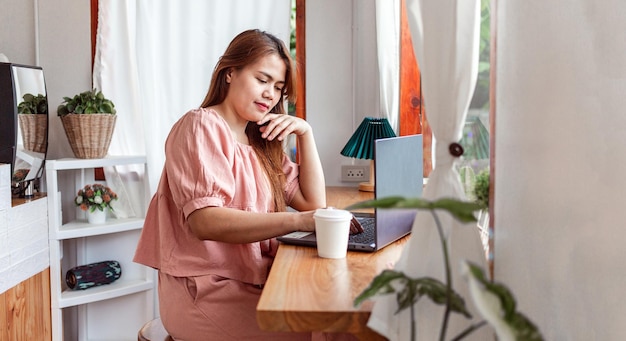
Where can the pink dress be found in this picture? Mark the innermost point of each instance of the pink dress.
(209, 290)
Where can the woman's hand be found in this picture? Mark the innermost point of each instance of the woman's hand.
(312, 190)
(279, 126)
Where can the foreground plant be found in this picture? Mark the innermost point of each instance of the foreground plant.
(494, 301)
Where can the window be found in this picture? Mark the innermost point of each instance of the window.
(475, 140)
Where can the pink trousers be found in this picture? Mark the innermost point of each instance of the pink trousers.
(216, 308)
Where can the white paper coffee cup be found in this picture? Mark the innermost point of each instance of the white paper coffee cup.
(332, 229)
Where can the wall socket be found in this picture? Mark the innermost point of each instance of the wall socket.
(353, 173)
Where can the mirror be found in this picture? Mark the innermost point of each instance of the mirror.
(24, 117)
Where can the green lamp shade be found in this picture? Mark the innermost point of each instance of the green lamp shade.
(361, 144)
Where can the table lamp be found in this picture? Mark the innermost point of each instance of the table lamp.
(361, 144)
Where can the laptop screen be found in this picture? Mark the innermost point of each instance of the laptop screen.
(399, 167)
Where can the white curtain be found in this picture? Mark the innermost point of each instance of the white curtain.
(154, 59)
(445, 39)
(560, 161)
(388, 50)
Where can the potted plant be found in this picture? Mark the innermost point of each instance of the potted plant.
(95, 200)
(88, 119)
(494, 301)
(32, 114)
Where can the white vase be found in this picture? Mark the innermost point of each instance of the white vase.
(96, 217)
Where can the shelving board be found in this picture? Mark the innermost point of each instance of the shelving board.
(71, 163)
(121, 287)
(82, 228)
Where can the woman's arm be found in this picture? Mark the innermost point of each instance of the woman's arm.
(236, 226)
(312, 192)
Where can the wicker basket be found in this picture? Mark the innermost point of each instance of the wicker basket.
(89, 134)
(34, 129)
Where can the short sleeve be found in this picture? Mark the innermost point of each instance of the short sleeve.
(198, 163)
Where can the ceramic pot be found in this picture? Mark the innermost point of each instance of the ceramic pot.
(96, 217)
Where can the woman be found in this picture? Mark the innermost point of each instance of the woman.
(223, 194)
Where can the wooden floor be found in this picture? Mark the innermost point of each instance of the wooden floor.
(25, 310)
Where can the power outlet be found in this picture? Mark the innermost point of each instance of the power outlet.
(352, 173)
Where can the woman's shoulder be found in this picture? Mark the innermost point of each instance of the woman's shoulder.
(200, 123)
(202, 118)
(204, 114)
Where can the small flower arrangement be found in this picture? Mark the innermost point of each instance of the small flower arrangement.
(96, 196)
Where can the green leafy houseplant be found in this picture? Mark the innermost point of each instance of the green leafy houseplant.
(96, 196)
(88, 102)
(494, 301)
(88, 120)
(33, 105)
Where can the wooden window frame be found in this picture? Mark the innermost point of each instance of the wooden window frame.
(413, 118)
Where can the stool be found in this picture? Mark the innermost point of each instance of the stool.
(153, 331)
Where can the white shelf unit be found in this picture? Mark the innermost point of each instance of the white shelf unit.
(114, 311)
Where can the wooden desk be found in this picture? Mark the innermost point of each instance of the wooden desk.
(307, 293)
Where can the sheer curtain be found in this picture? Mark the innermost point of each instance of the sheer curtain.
(388, 49)
(154, 59)
(445, 38)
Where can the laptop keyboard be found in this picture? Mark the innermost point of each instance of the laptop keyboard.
(367, 236)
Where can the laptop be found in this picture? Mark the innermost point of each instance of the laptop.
(398, 171)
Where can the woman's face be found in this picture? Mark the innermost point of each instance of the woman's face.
(257, 88)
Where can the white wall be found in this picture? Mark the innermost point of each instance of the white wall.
(65, 55)
(341, 76)
(62, 28)
(560, 160)
(17, 32)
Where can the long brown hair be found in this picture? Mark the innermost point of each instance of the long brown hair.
(246, 48)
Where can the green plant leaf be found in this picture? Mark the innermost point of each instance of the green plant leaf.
(387, 202)
(33, 104)
(87, 102)
(523, 328)
(62, 110)
(106, 107)
(411, 290)
(461, 210)
(433, 289)
(381, 284)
